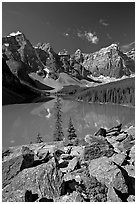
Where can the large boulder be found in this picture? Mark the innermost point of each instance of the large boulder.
(95, 190)
(72, 165)
(132, 155)
(98, 146)
(107, 172)
(112, 196)
(44, 180)
(77, 151)
(131, 131)
(72, 197)
(12, 166)
(118, 158)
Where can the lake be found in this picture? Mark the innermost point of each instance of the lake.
(21, 123)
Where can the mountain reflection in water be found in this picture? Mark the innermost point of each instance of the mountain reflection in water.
(21, 123)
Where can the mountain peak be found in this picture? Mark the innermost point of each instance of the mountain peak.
(15, 33)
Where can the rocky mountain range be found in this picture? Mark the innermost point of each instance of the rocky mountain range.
(22, 60)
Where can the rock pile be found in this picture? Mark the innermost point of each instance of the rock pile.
(102, 169)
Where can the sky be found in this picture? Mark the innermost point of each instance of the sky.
(88, 26)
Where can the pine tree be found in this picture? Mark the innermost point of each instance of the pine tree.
(71, 130)
(39, 138)
(58, 133)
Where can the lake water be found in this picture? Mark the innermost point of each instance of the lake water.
(21, 123)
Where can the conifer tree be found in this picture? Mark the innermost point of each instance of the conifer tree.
(58, 132)
(71, 130)
(39, 138)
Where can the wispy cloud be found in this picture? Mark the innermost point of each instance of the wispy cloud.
(91, 37)
(128, 47)
(103, 22)
(109, 36)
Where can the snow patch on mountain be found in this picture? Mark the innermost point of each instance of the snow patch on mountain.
(14, 34)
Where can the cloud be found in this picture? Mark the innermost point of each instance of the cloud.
(127, 47)
(103, 22)
(108, 35)
(66, 34)
(12, 141)
(91, 37)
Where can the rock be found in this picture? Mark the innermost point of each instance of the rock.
(132, 155)
(44, 180)
(116, 148)
(111, 139)
(130, 181)
(131, 198)
(62, 163)
(73, 164)
(118, 158)
(130, 170)
(59, 152)
(115, 129)
(107, 172)
(45, 200)
(71, 176)
(11, 167)
(101, 132)
(88, 187)
(77, 151)
(43, 154)
(131, 131)
(112, 196)
(6, 153)
(28, 156)
(121, 137)
(119, 182)
(66, 156)
(127, 144)
(95, 191)
(98, 148)
(72, 197)
(109, 61)
(30, 197)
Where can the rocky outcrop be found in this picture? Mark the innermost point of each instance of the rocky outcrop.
(13, 90)
(17, 48)
(109, 61)
(92, 171)
(10, 168)
(43, 180)
(98, 147)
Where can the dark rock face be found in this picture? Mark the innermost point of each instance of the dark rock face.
(44, 180)
(96, 192)
(17, 47)
(10, 168)
(98, 148)
(13, 91)
(29, 197)
(101, 132)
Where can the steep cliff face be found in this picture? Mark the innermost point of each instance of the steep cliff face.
(17, 48)
(13, 91)
(109, 61)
